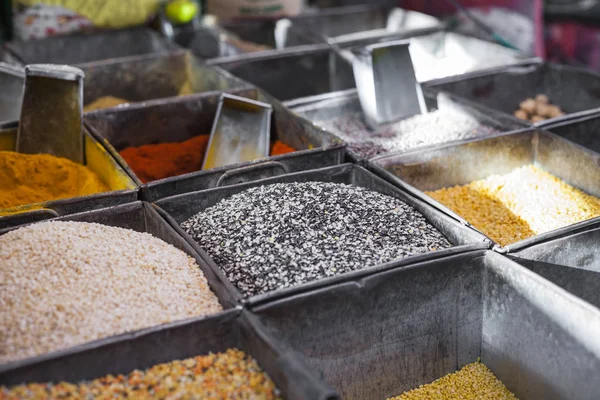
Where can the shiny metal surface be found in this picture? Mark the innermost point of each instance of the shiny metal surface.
(12, 79)
(409, 326)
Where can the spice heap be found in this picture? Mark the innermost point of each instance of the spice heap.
(66, 283)
(158, 161)
(523, 203)
(33, 178)
(285, 234)
(538, 109)
(228, 375)
(104, 102)
(418, 131)
(473, 381)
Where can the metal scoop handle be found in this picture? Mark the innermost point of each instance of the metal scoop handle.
(51, 112)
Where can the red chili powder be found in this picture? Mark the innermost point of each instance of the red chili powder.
(151, 162)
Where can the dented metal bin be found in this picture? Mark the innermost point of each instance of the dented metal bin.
(292, 73)
(573, 89)
(381, 335)
(464, 162)
(177, 120)
(183, 206)
(12, 79)
(569, 259)
(153, 76)
(332, 106)
(99, 160)
(84, 48)
(142, 349)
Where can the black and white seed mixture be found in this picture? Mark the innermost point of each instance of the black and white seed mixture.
(276, 236)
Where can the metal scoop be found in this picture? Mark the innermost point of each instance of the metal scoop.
(11, 90)
(241, 132)
(51, 112)
(385, 79)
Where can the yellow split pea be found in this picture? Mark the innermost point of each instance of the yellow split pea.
(515, 206)
(473, 381)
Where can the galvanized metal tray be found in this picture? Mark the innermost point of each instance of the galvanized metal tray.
(176, 120)
(568, 259)
(124, 189)
(178, 209)
(292, 73)
(337, 104)
(12, 79)
(154, 76)
(83, 48)
(377, 336)
(356, 23)
(142, 349)
(464, 162)
(573, 89)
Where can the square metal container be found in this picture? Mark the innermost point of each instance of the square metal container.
(142, 349)
(573, 89)
(337, 104)
(154, 76)
(353, 24)
(381, 335)
(569, 259)
(292, 73)
(181, 207)
(464, 162)
(176, 120)
(97, 159)
(84, 48)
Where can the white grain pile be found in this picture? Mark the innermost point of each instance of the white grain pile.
(66, 283)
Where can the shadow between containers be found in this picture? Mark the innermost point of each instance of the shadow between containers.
(178, 208)
(377, 336)
(575, 90)
(173, 120)
(467, 161)
(234, 328)
(98, 159)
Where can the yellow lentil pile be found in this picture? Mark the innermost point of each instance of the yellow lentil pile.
(228, 375)
(523, 203)
(473, 381)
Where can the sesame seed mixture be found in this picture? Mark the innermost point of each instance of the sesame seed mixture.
(418, 131)
(285, 234)
(228, 375)
(473, 381)
(66, 283)
(523, 203)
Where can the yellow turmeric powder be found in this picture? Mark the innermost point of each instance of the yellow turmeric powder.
(33, 178)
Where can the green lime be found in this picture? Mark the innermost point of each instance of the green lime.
(181, 11)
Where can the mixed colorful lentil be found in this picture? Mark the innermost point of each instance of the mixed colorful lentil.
(418, 131)
(228, 375)
(66, 283)
(276, 236)
(473, 381)
(523, 203)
